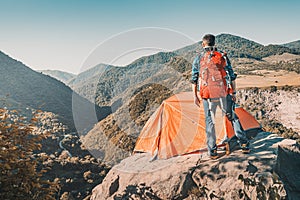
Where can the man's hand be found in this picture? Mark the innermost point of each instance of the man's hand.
(196, 97)
(233, 97)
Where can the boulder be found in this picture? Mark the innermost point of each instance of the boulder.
(287, 167)
(195, 176)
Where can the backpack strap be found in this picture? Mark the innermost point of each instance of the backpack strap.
(230, 75)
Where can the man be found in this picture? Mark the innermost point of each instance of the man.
(212, 72)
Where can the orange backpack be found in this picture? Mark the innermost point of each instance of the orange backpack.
(212, 75)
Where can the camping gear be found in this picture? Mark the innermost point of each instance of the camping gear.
(212, 75)
(177, 127)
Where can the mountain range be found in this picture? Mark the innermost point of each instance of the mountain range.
(112, 87)
(23, 89)
(86, 82)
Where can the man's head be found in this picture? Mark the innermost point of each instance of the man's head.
(208, 40)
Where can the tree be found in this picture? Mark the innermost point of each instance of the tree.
(21, 170)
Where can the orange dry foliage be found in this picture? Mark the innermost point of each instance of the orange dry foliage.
(21, 171)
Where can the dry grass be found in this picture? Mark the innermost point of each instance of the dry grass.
(285, 57)
(266, 78)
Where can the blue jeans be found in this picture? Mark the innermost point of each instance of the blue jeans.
(210, 108)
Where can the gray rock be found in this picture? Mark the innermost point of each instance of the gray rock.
(196, 176)
(287, 167)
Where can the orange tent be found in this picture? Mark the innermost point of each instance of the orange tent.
(177, 127)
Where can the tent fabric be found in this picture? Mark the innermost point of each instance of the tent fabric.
(177, 127)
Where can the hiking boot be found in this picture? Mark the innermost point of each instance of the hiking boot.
(245, 148)
(213, 154)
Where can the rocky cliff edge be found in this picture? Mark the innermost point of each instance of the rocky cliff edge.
(234, 176)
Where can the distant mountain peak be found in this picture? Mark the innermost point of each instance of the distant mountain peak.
(293, 45)
(62, 76)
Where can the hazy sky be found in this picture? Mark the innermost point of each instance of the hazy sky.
(61, 34)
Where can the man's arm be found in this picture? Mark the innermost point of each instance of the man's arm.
(233, 86)
(229, 68)
(232, 77)
(194, 79)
